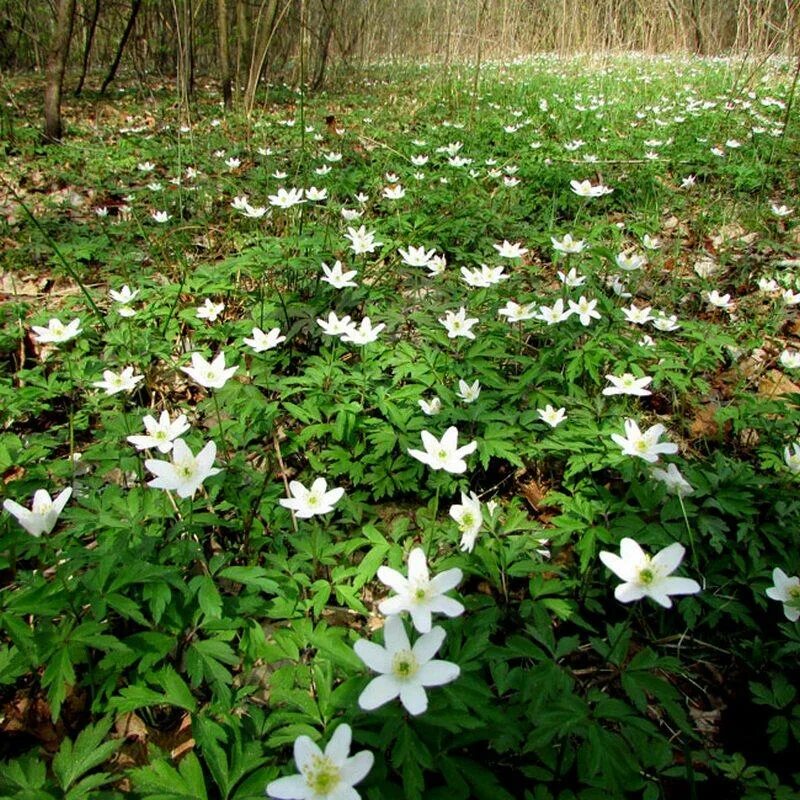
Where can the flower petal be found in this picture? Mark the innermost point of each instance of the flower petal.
(413, 697)
(437, 673)
(355, 769)
(292, 787)
(426, 647)
(378, 692)
(338, 748)
(377, 658)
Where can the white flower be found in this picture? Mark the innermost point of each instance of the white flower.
(211, 375)
(790, 359)
(145, 166)
(458, 324)
(335, 326)
(718, 300)
(362, 240)
(419, 594)
(124, 296)
(232, 162)
(768, 285)
(430, 407)
(161, 216)
(787, 591)
(419, 161)
(43, 513)
(791, 455)
(553, 314)
(647, 576)
(780, 210)
(262, 342)
(186, 472)
(484, 276)
(585, 189)
(209, 310)
(469, 518)
(309, 502)
(284, 199)
(102, 211)
(630, 261)
(790, 298)
(514, 312)
(646, 341)
(254, 212)
(364, 333)
(395, 192)
(552, 416)
(156, 186)
(351, 214)
(508, 250)
(436, 266)
(324, 776)
(643, 445)
(617, 286)
(56, 332)
(316, 195)
(445, 453)
(636, 315)
(584, 309)
(469, 393)
(662, 322)
(160, 434)
(650, 242)
(113, 383)
(405, 671)
(336, 277)
(571, 278)
(416, 256)
(688, 181)
(673, 480)
(332, 157)
(567, 244)
(627, 384)
(510, 182)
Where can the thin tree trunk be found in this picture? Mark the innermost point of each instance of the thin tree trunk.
(88, 48)
(56, 66)
(112, 73)
(224, 53)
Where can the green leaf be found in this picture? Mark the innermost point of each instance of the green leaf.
(89, 751)
(58, 675)
(207, 596)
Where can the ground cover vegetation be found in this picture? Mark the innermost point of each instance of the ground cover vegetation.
(453, 415)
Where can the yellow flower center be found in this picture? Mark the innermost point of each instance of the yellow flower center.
(646, 576)
(322, 776)
(404, 665)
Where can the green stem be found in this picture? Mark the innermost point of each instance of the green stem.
(221, 428)
(688, 530)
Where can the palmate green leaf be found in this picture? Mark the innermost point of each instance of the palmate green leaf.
(12, 664)
(159, 780)
(208, 596)
(74, 760)
(251, 576)
(498, 441)
(58, 675)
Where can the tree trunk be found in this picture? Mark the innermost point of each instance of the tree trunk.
(122, 42)
(224, 53)
(88, 48)
(56, 66)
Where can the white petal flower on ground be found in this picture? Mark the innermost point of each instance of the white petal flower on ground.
(329, 775)
(43, 513)
(284, 199)
(630, 261)
(572, 278)
(469, 518)
(509, 250)
(211, 375)
(664, 322)
(791, 455)
(790, 359)
(554, 314)
(124, 295)
(457, 323)
(416, 256)
(405, 671)
(113, 382)
(643, 445)
(337, 277)
(552, 416)
(334, 326)
(780, 210)
(310, 502)
(673, 480)
(160, 434)
(161, 217)
(584, 309)
(261, 342)
(514, 312)
(469, 393)
(430, 407)
(56, 332)
(719, 300)
(362, 240)
(567, 244)
(363, 333)
(648, 576)
(786, 590)
(586, 189)
(627, 384)
(186, 472)
(636, 315)
(419, 594)
(444, 454)
(209, 310)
